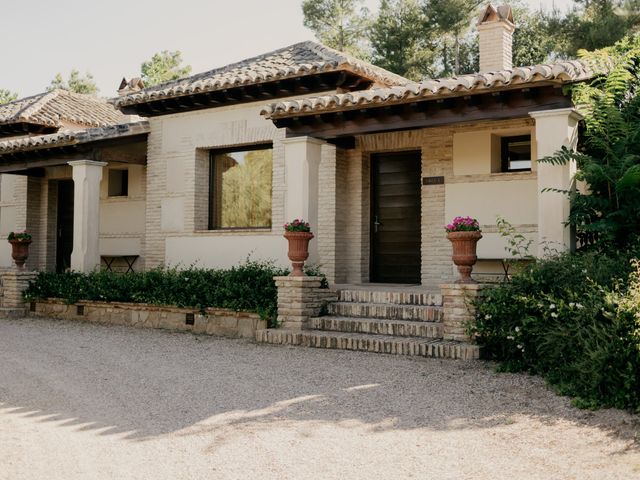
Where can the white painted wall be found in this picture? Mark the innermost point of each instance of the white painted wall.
(224, 251)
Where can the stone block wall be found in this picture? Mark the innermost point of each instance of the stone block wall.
(213, 321)
(299, 300)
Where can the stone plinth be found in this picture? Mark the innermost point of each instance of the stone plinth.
(299, 300)
(457, 308)
(14, 283)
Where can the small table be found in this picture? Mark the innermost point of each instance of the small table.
(128, 259)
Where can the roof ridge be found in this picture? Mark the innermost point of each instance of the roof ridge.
(229, 66)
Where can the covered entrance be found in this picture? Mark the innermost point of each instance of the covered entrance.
(64, 227)
(395, 222)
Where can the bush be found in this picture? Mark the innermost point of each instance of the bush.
(247, 287)
(573, 319)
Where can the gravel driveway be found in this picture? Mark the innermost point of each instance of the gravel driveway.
(82, 401)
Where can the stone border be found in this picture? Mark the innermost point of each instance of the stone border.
(215, 321)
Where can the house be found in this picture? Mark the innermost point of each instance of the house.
(377, 164)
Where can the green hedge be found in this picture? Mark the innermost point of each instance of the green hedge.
(574, 319)
(247, 287)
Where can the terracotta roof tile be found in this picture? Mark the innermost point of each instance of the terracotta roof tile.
(561, 72)
(73, 137)
(53, 108)
(297, 60)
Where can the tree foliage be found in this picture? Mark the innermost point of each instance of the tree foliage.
(451, 20)
(164, 67)
(7, 96)
(75, 83)
(398, 42)
(339, 24)
(608, 161)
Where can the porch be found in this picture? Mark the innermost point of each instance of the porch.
(80, 194)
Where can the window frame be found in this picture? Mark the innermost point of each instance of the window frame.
(212, 184)
(504, 152)
(125, 173)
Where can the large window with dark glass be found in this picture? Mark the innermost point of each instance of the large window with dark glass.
(240, 188)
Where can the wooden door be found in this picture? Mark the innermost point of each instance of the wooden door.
(64, 230)
(395, 219)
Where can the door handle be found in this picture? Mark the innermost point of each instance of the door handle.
(376, 223)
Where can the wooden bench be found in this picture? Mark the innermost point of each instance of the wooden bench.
(129, 260)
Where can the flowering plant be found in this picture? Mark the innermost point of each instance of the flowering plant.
(297, 225)
(20, 236)
(463, 224)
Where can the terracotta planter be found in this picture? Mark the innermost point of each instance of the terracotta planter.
(298, 250)
(464, 253)
(20, 252)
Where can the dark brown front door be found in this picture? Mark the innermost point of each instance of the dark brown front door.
(64, 235)
(395, 220)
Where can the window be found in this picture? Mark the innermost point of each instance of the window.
(240, 188)
(118, 183)
(516, 153)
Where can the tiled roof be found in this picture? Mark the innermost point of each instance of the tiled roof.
(561, 72)
(52, 108)
(73, 137)
(297, 60)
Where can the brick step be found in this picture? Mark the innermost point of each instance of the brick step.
(371, 343)
(386, 311)
(389, 296)
(398, 328)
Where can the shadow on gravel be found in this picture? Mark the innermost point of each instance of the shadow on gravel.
(142, 384)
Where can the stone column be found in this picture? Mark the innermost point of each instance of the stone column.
(299, 300)
(554, 129)
(302, 159)
(86, 214)
(14, 283)
(457, 309)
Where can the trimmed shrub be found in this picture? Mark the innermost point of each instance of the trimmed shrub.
(247, 287)
(574, 319)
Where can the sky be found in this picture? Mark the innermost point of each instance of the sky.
(39, 38)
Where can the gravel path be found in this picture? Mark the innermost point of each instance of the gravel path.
(81, 401)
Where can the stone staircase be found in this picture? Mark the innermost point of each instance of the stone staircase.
(392, 320)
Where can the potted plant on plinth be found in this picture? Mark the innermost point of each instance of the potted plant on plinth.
(464, 233)
(19, 247)
(298, 234)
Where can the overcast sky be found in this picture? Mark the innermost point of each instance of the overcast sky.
(39, 38)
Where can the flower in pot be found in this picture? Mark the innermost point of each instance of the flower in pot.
(464, 233)
(20, 242)
(298, 234)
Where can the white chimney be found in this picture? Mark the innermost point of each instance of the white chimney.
(495, 30)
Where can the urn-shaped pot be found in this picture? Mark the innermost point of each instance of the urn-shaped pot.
(20, 252)
(298, 250)
(464, 253)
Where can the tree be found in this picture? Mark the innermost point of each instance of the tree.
(401, 41)
(164, 67)
(453, 19)
(339, 24)
(600, 23)
(608, 160)
(75, 83)
(7, 96)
